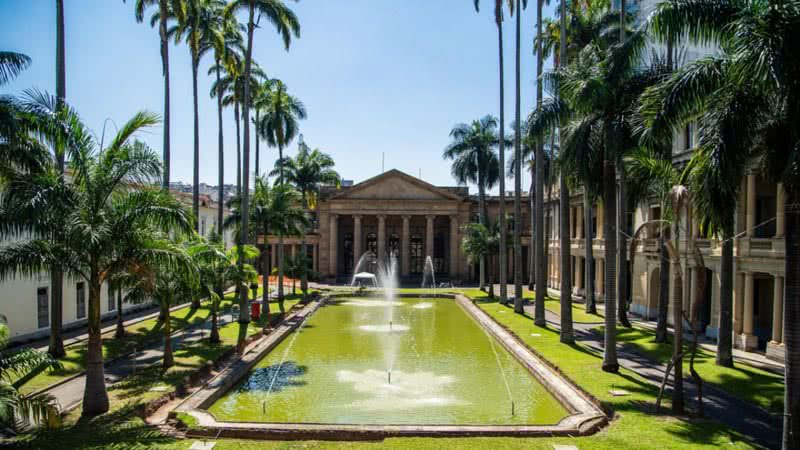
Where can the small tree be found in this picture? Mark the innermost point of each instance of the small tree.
(479, 243)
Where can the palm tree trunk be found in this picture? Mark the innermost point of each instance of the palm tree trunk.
(258, 152)
(196, 164)
(221, 158)
(280, 234)
(56, 346)
(237, 119)
(120, 331)
(725, 333)
(501, 159)
(663, 292)
(304, 272)
(540, 261)
(265, 274)
(214, 337)
(482, 220)
(791, 333)
(622, 274)
(162, 31)
(566, 336)
(95, 397)
(531, 252)
(244, 315)
(610, 363)
(518, 296)
(588, 285)
(677, 318)
(168, 360)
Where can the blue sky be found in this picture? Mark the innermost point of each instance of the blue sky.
(377, 77)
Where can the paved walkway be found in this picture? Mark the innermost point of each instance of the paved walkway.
(746, 418)
(70, 393)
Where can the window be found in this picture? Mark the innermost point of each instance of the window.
(394, 245)
(112, 305)
(42, 305)
(417, 256)
(348, 253)
(80, 300)
(688, 136)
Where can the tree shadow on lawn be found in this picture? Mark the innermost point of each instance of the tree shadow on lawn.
(117, 430)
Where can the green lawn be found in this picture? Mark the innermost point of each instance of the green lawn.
(635, 425)
(138, 335)
(745, 382)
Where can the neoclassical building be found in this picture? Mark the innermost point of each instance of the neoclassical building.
(395, 214)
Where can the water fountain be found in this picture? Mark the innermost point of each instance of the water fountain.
(387, 279)
(428, 276)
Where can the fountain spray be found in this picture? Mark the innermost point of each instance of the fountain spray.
(390, 376)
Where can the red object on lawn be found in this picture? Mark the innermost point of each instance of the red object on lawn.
(255, 310)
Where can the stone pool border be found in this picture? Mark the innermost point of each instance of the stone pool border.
(585, 416)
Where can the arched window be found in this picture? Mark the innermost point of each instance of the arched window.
(393, 249)
(348, 253)
(417, 255)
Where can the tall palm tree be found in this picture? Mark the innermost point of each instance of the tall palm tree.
(15, 366)
(56, 346)
(231, 86)
(518, 297)
(279, 125)
(286, 24)
(475, 161)
(498, 18)
(227, 43)
(746, 97)
(308, 171)
(110, 228)
(480, 242)
(197, 29)
(164, 9)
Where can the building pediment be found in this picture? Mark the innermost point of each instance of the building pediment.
(395, 185)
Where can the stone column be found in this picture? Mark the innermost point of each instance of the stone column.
(429, 236)
(600, 219)
(405, 247)
(314, 253)
(777, 310)
(572, 213)
(600, 263)
(357, 238)
(579, 223)
(780, 199)
(738, 302)
(454, 246)
(333, 257)
(750, 217)
(747, 311)
(381, 236)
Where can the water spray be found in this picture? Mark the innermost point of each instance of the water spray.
(390, 325)
(390, 376)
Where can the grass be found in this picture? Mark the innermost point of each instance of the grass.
(748, 383)
(635, 425)
(138, 335)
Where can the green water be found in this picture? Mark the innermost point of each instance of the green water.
(444, 371)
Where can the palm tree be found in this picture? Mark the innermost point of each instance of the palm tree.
(164, 8)
(308, 171)
(474, 161)
(279, 126)
(286, 24)
(227, 44)
(231, 87)
(16, 366)
(197, 27)
(170, 282)
(288, 218)
(61, 68)
(110, 228)
(480, 242)
(518, 297)
(11, 64)
(748, 94)
(498, 18)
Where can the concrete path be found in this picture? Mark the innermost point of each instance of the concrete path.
(746, 418)
(70, 393)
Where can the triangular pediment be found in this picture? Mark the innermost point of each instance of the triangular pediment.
(395, 185)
